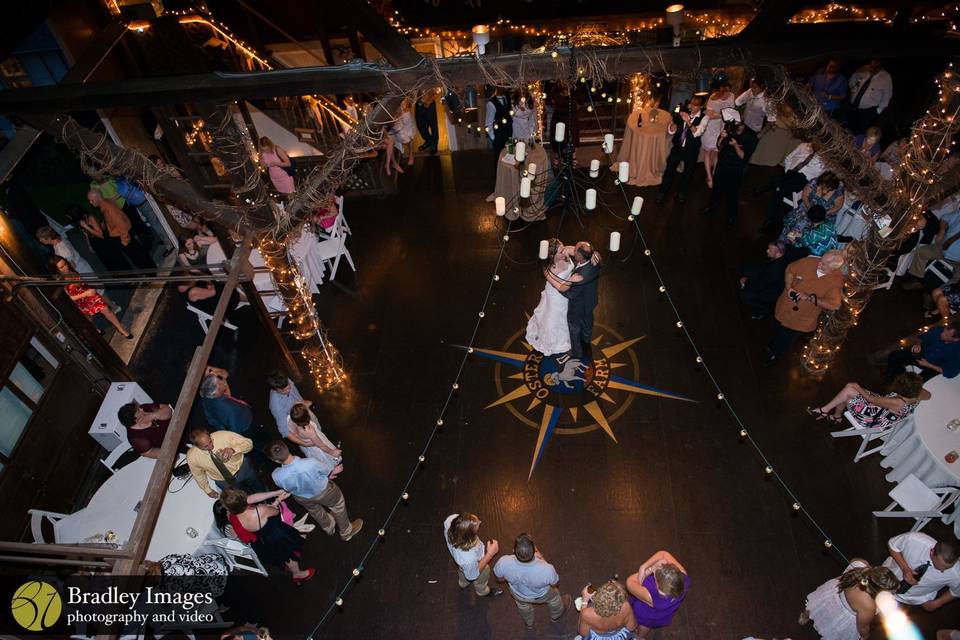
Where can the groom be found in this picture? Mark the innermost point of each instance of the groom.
(582, 300)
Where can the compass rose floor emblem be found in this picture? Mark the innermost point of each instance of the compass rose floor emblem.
(597, 389)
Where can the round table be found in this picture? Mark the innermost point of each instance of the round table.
(646, 145)
(261, 280)
(918, 446)
(508, 184)
(115, 505)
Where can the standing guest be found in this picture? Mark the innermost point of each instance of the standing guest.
(844, 608)
(146, 426)
(62, 247)
(219, 456)
(524, 117)
(222, 410)
(283, 395)
(868, 143)
(403, 132)
(736, 144)
(757, 110)
(95, 232)
(829, 87)
(656, 591)
(871, 88)
(872, 410)
(606, 614)
(304, 429)
(936, 352)
(311, 484)
(258, 524)
(275, 160)
(812, 285)
(87, 299)
(925, 568)
(719, 100)
(532, 580)
(761, 284)
(946, 247)
(498, 121)
(801, 166)
(685, 131)
(118, 230)
(468, 552)
(425, 111)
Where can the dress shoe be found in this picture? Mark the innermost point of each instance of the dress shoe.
(707, 211)
(423, 146)
(355, 527)
(494, 593)
(757, 315)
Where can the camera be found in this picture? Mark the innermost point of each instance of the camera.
(795, 296)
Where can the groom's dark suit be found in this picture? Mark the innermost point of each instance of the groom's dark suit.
(582, 299)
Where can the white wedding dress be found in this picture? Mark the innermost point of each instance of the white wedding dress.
(547, 329)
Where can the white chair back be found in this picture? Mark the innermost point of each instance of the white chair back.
(918, 501)
(238, 555)
(111, 459)
(867, 434)
(332, 249)
(38, 517)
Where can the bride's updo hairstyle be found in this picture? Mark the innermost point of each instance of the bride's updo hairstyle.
(553, 245)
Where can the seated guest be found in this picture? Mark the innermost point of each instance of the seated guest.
(811, 286)
(936, 352)
(685, 131)
(303, 428)
(182, 572)
(86, 298)
(796, 224)
(283, 395)
(222, 410)
(258, 523)
(606, 614)
(219, 456)
(895, 152)
(869, 143)
(248, 631)
(873, 410)
(946, 247)
(826, 191)
(761, 284)
(656, 592)
(146, 426)
(947, 302)
(927, 569)
(923, 231)
(193, 253)
(801, 165)
(820, 237)
(829, 86)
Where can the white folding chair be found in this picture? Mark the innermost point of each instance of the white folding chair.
(38, 517)
(793, 200)
(205, 318)
(903, 264)
(110, 461)
(918, 501)
(868, 434)
(340, 223)
(334, 248)
(238, 555)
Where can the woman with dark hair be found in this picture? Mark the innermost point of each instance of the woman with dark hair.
(826, 191)
(524, 117)
(278, 165)
(547, 329)
(193, 253)
(258, 523)
(87, 300)
(95, 231)
(872, 409)
(844, 608)
(656, 591)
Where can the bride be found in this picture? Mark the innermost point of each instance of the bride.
(547, 330)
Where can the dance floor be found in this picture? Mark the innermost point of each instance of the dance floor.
(670, 474)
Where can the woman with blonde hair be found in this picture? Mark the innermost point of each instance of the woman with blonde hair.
(473, 558)
(656, 591)
(844, 608)
(278, 165)
(606, 614)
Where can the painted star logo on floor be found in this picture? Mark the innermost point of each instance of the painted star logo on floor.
(596, 390)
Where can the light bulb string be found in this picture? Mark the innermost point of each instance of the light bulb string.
(771, 469)
(371, 548)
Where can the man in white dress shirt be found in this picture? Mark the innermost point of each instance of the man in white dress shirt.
(757, 109)
(925, 567)
(871, 88)
(472, 558)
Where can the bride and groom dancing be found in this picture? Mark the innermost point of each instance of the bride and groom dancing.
(562, 323)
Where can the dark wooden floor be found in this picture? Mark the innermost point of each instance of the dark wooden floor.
(679, 477)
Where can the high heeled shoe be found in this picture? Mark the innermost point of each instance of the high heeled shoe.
(310, 573)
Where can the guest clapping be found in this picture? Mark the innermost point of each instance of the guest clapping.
(472, 557)
(872, 410)
(685, 131)
(656, 591)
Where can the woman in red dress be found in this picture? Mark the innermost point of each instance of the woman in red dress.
(87, 300)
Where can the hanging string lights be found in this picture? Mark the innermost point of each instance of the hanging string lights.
(835, 12)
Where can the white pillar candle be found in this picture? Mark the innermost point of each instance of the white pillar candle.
(615, 242)
(524, 187)
(637, 205)
(559, 132)
(608, 143)
(501, 203)
(623, 172)
(521, 151)
(532, 169)
(544, 249)
(594, 168)
(591, 199)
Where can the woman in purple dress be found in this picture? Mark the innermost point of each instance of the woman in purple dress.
(656, 591)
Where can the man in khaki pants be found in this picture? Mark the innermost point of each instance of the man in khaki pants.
(311, 484)
(531, 580)
(472, 558)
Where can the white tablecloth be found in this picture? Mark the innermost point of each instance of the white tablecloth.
(303, 251)
(918, 446)
(262, 281)
(115, 504)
